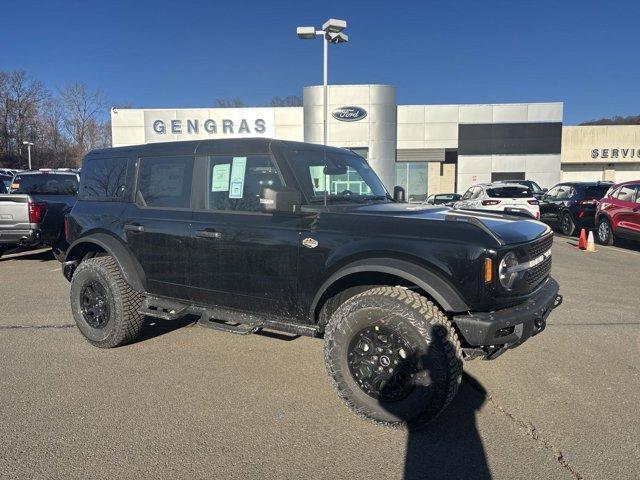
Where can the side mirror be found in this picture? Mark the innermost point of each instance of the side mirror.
(544, 190)
(398, 194)
(280, 199)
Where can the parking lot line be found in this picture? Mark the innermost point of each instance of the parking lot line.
(604, 247)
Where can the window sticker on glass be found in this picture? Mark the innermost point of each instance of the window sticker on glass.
(220, 177)
(237, 177)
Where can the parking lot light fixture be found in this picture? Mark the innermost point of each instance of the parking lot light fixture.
(331, 32)
(29, 145)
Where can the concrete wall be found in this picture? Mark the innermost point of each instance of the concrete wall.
(601, 152)
(138, 126)
(377, 131)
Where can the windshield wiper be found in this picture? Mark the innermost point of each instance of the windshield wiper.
(333, 198)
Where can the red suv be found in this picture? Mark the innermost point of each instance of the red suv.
(618, 213)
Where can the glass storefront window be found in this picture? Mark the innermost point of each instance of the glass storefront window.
(412, 176)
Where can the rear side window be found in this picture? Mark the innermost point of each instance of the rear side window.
(45, 184)
(509, 192)
(627, 193)
(103, 179)
(596, 191)
(165, 182)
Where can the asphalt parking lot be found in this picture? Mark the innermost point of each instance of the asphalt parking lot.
(187, 402)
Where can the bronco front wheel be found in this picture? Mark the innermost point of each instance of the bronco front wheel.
(393, 357)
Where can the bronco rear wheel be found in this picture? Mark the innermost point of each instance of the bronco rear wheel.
(104, 307)
(393, 357)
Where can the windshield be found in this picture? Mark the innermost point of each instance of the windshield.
(509, 192)
(342, 176)
(5, 183)
(534, 187)
(45, 184)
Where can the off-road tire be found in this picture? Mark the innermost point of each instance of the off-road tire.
(567, 225)
(604, 233)
(427, 331)
(124, 322)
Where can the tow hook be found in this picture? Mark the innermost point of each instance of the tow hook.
(558, 301)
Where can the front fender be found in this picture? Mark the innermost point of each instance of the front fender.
(439, 289)
(129, 266)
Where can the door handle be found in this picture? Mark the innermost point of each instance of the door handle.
(208, 233)
(133, 227)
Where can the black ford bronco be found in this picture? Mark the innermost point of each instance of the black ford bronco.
(251, 234)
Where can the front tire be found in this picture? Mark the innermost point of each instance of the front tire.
(393, 357)
(567, 225)
(604, 232)
(104, 307)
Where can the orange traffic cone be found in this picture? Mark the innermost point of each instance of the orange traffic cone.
(582, 243)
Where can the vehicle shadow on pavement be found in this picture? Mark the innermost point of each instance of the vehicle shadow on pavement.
(153, 327)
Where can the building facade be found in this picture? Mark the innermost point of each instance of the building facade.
(607, 152)
(424, 148)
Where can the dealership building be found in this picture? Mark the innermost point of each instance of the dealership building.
(424, 148)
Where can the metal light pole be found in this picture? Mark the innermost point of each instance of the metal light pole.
(29, 145)
(332, 33)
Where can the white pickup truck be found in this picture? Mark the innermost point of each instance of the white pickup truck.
(32, 213)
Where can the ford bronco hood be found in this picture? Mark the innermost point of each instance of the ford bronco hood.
(507, 229)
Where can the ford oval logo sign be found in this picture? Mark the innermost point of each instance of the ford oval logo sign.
(349, 114)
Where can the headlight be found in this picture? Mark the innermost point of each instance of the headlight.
(505, 273)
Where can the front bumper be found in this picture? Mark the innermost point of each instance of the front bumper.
(497, 331)
(20, 237)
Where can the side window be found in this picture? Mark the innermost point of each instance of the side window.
(626, 193)
(477, 193)
(103, 179)
(165, 182)
(564, 192)
(467, 194)
(235, 183)
(552, 194)
(637, 193)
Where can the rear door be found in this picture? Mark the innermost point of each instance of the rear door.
(158, 225)
(242, 258)
(626, 217)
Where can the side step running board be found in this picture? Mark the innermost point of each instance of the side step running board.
(227, 320)
(163, 309)
(237, 328)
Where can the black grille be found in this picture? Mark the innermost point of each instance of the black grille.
(536, 274)
(539, 247)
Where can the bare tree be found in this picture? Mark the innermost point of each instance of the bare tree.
(235, 102)
(289, 101)
(21, 98)
(83, 109)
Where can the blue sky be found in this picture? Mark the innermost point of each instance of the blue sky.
(188, 53)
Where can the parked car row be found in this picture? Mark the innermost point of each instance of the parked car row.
(612, 210)
(33, 207)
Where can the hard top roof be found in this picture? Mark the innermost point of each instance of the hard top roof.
(228, 146)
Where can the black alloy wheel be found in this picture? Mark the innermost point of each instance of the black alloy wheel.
(382, 363)
(95, 304)
(568, 226)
